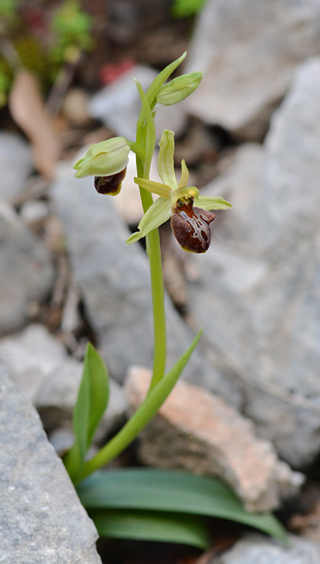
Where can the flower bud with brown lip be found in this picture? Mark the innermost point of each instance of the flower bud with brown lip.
(110, 185)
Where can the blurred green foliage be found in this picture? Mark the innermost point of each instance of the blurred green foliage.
(185, 8)
(70, 27)
(40, 41)
(8, 11)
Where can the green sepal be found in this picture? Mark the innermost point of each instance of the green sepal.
(165, 159)
(156, 215)
(212, 203)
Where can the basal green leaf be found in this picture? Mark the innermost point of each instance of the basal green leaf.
(90, 406)
(165, 490)
(149, 407)
(152, 526)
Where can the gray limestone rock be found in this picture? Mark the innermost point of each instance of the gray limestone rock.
(41, 519)
(57, 398)
(256, 549)
(33, 356)
(39, 364)
(15, 164)
(247, 51)
(26, 270)
(240, 182)
(114, 281)
(258, 298)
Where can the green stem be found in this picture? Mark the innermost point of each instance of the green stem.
(159, 316)
(157, 288)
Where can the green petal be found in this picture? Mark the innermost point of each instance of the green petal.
(157, 214)
(184, 174)
(165, 159)
(214, 203)
(155, 187)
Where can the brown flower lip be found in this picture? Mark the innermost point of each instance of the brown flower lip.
(191, 227)
(110, 185)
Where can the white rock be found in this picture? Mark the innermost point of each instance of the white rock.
(33, 211)
(15, 164)
(258, 299)
(26, 270)
(256, 549)
(39, 364)
(32, 357)
(248, 51)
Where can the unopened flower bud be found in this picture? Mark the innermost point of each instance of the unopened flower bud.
(191, 227)
(109, 184)
(179, 88)
(104, 159)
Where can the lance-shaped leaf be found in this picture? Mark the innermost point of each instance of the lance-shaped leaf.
(149, 407)
(90, 406)
(158, 526)
(146, 489)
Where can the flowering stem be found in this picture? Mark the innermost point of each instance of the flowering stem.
(154, 254)
(159, 317)
(146, 138)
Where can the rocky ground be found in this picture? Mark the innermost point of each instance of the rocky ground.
(249, 402)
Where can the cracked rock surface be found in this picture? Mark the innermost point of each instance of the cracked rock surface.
(42, 519)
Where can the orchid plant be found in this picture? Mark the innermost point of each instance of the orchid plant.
(190, 215)
(107, 162)
(142, 503)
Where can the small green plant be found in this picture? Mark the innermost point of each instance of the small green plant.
(70, 28)
(42, 44)
(149, 504)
